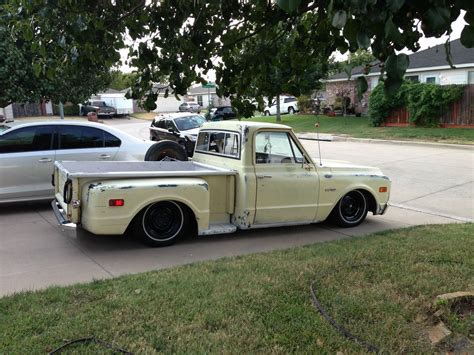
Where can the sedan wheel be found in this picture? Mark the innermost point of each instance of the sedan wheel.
(160, 224)
(351, 209)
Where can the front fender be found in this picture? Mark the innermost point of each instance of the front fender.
(99, 218)
(331, 193)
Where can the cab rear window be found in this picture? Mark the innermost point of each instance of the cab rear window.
(220, 143)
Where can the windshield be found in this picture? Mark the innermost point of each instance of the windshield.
(189, 122)
(3, 128)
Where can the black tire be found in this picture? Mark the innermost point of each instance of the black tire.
(161, 224)
(166, 149)
(291, 110)
(267, 113)
(351, 209)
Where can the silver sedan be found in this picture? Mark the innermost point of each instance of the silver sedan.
(28, 152)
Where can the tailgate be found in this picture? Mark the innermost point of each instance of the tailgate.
(66, 192)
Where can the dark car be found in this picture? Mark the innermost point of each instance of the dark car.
(182, 128)
(224, 113)
(189, 107)
(100, 107)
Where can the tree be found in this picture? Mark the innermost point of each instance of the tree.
(183, 40)
(20, 81)
(120, 80)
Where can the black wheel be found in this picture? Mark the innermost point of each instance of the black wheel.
(166, 149)
(351, 209)
(160, 224)
(291, 110)
(267, 113)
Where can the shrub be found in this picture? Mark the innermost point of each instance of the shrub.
(305, 104)
(425, 102)
(69, 110)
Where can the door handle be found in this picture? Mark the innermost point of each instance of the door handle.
(264, 176)
(104, 156)
(45, 160)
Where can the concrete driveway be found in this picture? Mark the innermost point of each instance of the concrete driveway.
(431, 184)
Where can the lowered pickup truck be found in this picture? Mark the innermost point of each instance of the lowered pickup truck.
(242, 176)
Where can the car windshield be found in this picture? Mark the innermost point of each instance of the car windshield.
(3, 128)
(189, 122)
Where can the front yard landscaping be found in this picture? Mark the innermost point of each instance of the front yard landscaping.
(360, 127)
(380, 287)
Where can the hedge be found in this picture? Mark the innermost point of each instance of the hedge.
(425, 102)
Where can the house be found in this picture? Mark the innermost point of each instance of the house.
(426, 66)
(207, 96)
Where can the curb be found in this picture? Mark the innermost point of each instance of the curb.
(312, 136)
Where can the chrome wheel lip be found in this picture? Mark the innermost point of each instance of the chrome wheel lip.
(181, 214)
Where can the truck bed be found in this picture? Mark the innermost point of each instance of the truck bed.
(121, 169)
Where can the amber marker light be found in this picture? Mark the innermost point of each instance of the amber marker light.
(383, 189)
(116, 202)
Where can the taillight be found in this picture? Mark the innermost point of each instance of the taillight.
(117, 202)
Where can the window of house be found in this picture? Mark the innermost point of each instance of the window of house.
(470, 77)
(431, 80)
(219, 143)
(199, 99)
(413, 78)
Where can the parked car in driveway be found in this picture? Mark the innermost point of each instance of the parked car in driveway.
(28, 152)
(224, 113)
(182, 128)
(189, 107)
(100, 107)
(288, 104)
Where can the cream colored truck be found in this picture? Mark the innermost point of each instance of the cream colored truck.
(243, 175)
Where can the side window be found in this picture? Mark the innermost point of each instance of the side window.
(219, 143)
(111, 141)
(80, 137)
(276, 148)
(160, 124)
(28, 139)
(170, 124)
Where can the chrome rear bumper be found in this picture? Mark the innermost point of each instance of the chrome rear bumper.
(60, 216)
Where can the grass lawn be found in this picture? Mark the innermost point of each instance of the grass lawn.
(380, 287)
(360, 127)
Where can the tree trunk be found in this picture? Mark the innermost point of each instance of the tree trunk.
(278, 117)
(61, 110)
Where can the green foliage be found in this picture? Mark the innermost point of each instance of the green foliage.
(305, 104)
(69, 110)
(425, 102)
(121, 81)
(183, 39)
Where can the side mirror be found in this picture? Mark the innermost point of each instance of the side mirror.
(171, 130)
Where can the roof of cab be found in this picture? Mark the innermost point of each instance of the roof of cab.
(235, 125)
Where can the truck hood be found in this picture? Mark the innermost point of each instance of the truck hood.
(339, 165)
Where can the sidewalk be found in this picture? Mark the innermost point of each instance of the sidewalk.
(335, 138)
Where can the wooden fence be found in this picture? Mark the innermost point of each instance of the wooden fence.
(459, 114)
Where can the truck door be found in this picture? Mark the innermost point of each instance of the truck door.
(287, 185)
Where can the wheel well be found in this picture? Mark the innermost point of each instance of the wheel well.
(191, 228)
(371, 203)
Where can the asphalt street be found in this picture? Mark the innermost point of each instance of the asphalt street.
(430, 184)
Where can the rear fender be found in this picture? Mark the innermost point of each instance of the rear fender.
(99, 218)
